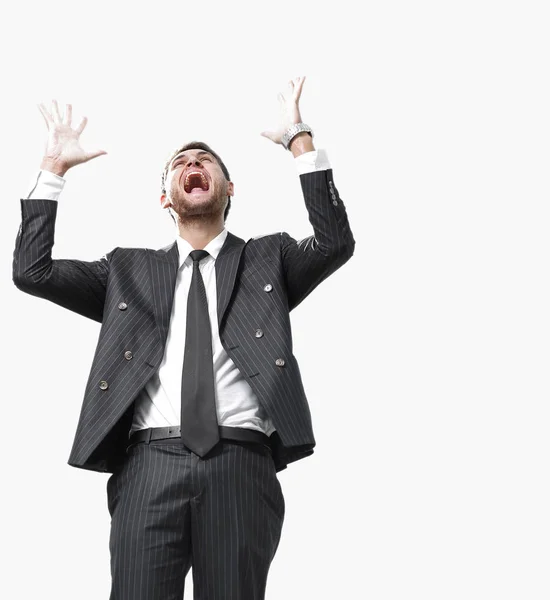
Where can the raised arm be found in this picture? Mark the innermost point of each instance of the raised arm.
(74, 284)
(309, 261)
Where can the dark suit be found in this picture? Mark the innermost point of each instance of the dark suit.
(232, 533)
(130, 291)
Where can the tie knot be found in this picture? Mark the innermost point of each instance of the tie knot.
(198, 255)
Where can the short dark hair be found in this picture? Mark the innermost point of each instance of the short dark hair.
(196, 146)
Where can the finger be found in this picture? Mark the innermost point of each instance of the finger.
(268, 134)
(282, 104)
(80, 128)
(298, 87)
(45, 114)
(55, 112)
(68, 114)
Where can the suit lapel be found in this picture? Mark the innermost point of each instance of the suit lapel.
(227, 265)
(164, 269)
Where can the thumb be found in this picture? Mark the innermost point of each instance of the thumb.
(269, 135)
(95, 153)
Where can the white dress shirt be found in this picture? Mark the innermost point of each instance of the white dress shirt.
(159, 402)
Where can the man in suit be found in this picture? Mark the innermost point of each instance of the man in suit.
(194, 400)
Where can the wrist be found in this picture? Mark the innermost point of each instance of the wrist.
(54, 167)
(301, 143)
(292, 134)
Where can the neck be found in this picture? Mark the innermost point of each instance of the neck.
(200, 233)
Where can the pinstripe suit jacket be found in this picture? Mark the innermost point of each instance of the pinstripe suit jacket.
(130, 291)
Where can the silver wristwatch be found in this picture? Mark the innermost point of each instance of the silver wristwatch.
(293, 131)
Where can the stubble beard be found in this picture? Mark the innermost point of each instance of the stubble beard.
(201, 211)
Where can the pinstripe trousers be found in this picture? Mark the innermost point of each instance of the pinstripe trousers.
(171, 510)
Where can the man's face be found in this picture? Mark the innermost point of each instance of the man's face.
(196, 185)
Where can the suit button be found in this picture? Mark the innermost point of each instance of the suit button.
(335, 202)
(268, 287)
(128, 355)
(280, 362)
(103, 385)
(259, 333)
(122, 306)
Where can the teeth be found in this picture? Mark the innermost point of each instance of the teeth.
(203, 178)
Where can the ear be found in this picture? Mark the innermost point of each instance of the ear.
(230, 188)
(164, 202)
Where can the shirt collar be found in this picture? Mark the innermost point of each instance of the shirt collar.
(213, 247)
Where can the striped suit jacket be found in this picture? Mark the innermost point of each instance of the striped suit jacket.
(130, 292)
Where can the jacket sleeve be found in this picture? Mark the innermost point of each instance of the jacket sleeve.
(306, 263)
(77, 285)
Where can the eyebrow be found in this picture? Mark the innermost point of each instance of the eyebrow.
(200, 153)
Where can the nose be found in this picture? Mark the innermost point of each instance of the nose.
(194, 161)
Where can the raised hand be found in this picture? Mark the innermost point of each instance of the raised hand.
(290, 111)
(63, 149)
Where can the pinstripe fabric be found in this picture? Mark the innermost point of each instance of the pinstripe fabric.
(171, 509)
(144, 281)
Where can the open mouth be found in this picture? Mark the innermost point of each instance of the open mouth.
(195, 181)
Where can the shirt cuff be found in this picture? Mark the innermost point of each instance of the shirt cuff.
(46, 186)
(316, 160)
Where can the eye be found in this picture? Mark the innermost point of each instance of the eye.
(179, 161)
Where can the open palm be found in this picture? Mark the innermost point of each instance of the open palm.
(290, 110)
(63, 144)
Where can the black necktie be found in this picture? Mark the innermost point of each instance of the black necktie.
(199, 421)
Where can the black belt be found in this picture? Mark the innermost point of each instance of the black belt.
(239, 434)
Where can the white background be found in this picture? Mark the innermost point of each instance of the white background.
(425, 358)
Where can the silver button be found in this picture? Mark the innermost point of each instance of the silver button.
(103, 385)
(122, 306)
(268, 287)
(128, 355)
(280, 362)
(333, 196)
(259, 333)
(335, 202)
(330, 184)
